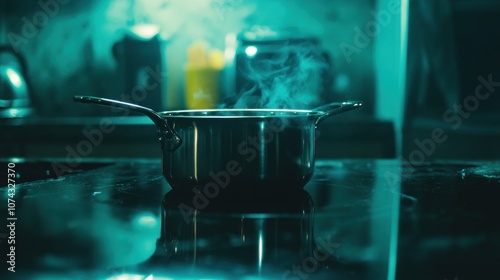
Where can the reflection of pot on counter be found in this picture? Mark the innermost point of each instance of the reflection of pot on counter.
(202, 77)
(252, 232)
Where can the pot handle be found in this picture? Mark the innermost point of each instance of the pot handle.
(168, 137)
(336, 108)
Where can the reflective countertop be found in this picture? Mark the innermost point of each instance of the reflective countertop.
(356, 219)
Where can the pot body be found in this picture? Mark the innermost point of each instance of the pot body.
(240, 153)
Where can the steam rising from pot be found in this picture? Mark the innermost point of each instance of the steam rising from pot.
(290, 77)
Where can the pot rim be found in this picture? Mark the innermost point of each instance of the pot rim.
(240, 113)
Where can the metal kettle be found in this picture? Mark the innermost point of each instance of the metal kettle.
(15, 98)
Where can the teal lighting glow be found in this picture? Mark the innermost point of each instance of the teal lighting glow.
(147, 221)
(130, 276)
(15, 160)
(13, 112)
(14, 78)
(261, 249)
(393, 247)
(403, 47)
(127, 277)
(145, 31)
(251, 51)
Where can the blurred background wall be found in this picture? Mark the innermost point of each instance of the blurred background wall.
(69, 48)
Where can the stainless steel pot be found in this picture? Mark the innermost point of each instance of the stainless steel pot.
(233, 149)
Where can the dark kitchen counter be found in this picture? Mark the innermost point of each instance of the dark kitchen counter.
(357, 219)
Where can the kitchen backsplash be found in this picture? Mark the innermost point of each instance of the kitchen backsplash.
(68, 43)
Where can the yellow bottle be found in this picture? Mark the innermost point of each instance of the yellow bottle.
(202, 77)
